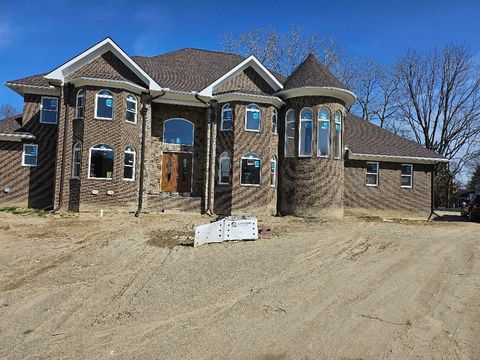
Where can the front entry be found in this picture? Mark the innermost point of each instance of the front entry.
(177, 172)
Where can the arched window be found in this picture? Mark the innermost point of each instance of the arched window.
(178, 131)
(273, 171)
(274, 121)
(337, 140)
(306, 132)
(290, 134)
(80, 104)
(224, 169)
(76, 160)
(253, 118)
(250, 166)
(131, 109)
(129, 164)
(101, 162)
(104, 105)
(227, 118)
(323, 132)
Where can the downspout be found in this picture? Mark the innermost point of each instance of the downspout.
(64, 148)
(146, 98)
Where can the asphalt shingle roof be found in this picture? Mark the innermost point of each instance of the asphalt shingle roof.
(13, 124)
(363, 137)
(36, 80)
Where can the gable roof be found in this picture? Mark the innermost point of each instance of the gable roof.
(365, 139)
(11, 129)
(312, 73)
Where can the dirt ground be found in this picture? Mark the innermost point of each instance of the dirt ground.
(81, 287)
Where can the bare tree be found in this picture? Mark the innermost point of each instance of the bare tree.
(7, 110)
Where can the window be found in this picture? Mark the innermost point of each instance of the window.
(253, 118)
(250, 170)
(274, 121)
(372, 174)
(227, 118)
(30, 155)
(80, 104)
(407, 176)
(224, 169)
(178, 131)
(306, 132)
(129, 164)
(76, 160)
(273, 171)
(104, 105)
(290, 134)
(131, 112)
(323, 132)
(101, 162)
(338, 135)
(48, 110)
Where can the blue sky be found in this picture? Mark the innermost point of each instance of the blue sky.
(36, 36)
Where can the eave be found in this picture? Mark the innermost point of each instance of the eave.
(346, 96)
(256, 98)
(394, 158)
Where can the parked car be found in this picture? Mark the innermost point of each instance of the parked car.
(471, 207)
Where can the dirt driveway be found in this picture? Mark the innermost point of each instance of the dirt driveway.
(81, 287)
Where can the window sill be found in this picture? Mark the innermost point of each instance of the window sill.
(26, 165)
(254, 131)
(406, 187)
(131, 122)
(225, 130)
(305, 156)
(102, 179)
(100, 118)
(48, 123)
(129, 180)
(251, 185)
(223, 184)
(323, 156)
(371, 185)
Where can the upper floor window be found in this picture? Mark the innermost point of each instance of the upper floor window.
(273, 171)
(49, 110)
(290, 134)
(253, 118)
(30, 155)
(104, 105)
(407, 176)
(101, 162)
(131, 109)
(129, 164)
(224, 169)
(250, 169)
(80, 104)
(178, 131)
(337, 140)
(323, 132)
(372, 174)
(274, 121)
(306, 132)
(227, 118)
(76, 160)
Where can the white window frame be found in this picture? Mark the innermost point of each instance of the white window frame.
(275, 116)
(274, 161)
(134, 152)
(36, 155)
(256, 157)
(257, 109)
(371, 173)
(224, 156)
(410, 176)
(300, 133)
(320, 120)
(225, 108)
(98, 95)
(134, 100)
(90, 162)
(286, 138)
(80, 94)
(340, 122)
(182, 119)
(76, 148)
(41, 110)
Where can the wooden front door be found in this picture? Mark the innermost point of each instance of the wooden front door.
(177, 172)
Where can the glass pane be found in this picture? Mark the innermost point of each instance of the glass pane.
(251, 171)
(307, 114)
(306, 133)
(30, 159)
(338, 144)
(131, 106)
(406, 170)
(324, 114)
(129, 159)
(323, 137)
(253, 120)
(30, 150)
(101, 164)
(49, 104)
(406, 181)
(372, 167)
(130, 116)
(104, 108)
(371, 179)
(227, 125)
(338, 117)
(49, 116)
(178, 132)
(128, 172)
(80, 112)
(76, 156)
(76, 170)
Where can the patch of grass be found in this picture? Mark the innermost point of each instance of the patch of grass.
(23, 211)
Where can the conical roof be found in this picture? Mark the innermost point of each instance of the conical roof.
(312, 73)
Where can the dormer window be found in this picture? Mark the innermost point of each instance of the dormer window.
(48, 110)
(306, 132)
(104, 105)
(253, 118)
(131, 109)
(80, 104)
(227, 118)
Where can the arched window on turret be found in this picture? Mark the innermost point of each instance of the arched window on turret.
(323, 132)
(290, 134)
(306, 132)
(337, 139)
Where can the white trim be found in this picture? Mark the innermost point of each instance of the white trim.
(36, 155)
(106, 97)
(225, 108)
(75, 149)
(256, 98)
(371, 173)
(328, 120)
(410, 176)
(259, 110)
(134, 152)
(90, 161)
(285, 140)
(15, 137)
(394, 158)
(135, 101)
(23, 89)
(91, 54)
(251, 61)
(256, 157)
(182, 119)
(223, 156)
(300, 133)
(41, 110)
(108, 83)
(80, 94)
(345, 95)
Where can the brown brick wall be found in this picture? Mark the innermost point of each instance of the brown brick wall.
(389, 194)
(248, 81)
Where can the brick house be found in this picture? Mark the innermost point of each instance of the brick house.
(202, 131)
